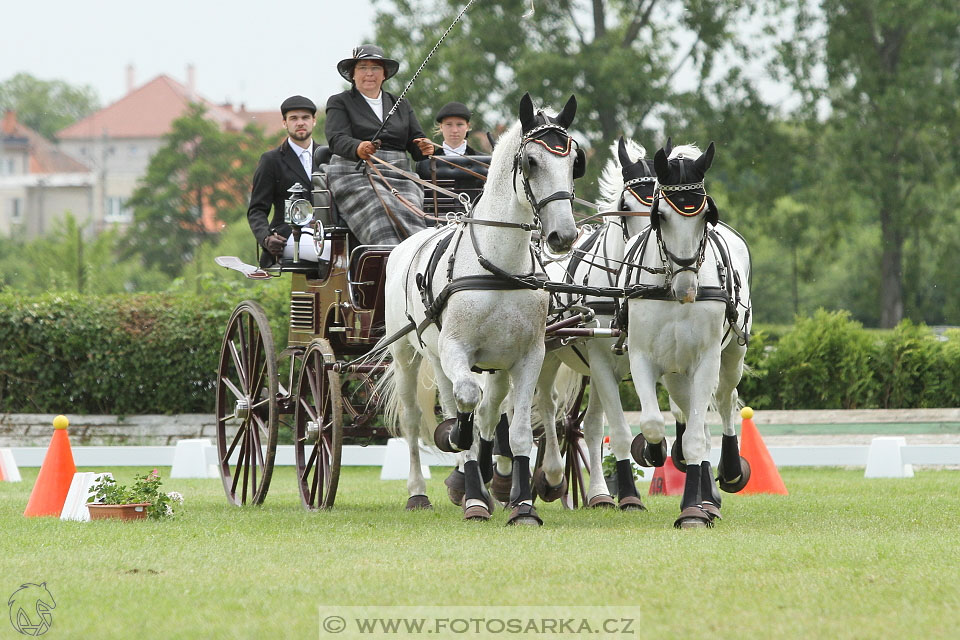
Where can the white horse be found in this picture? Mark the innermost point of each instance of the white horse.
(473, 292)
(689, 323)
(626, 185)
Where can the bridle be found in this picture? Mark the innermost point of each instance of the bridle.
(521, 164)
(694, 262)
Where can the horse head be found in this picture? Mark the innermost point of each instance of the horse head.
(545, 165)
(680, 212)
(639, 178)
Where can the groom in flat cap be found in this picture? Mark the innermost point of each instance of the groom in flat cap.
(278, 170)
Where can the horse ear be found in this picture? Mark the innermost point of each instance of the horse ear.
(565, 119)
(526, 112)
(622, 153)
(668, 148)
(706, 159)
(660, 164)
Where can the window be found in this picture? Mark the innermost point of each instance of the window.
(117, 211)
(16, 211)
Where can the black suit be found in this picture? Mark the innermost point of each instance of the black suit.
(278, 170)
(350, 121)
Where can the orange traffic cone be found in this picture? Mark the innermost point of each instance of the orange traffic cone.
(667, 480)
(56, 474)
(764, 477)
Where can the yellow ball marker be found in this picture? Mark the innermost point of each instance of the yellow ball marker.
(61, 422)
(746, 413)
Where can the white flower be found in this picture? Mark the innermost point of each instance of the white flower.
(168, 511)
(176, 497)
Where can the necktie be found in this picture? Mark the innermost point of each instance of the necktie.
(305, 160)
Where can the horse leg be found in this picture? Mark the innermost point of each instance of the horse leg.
(605, 384)
(489, 417)
(548, 480)
(598, 494)
(524, 376)
(733, 471)
(503, 469)
(455, 361)
(676, 451)
(645, 375)
(406, 366)
(700, 389)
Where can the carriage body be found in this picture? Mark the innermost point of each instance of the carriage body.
(336, 316)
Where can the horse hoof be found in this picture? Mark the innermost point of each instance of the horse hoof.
(676, 453)
(631, 503)
(737, 484)
(456, 486)
(546, 491)
(441, 435)
(712, 510)
(693, 517)
(500, 486)
(646, 454)
(477, 513)
(601, 501)
(417, 503)
(525, 514)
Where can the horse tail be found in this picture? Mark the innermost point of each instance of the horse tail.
(567, 389)
(426, 398)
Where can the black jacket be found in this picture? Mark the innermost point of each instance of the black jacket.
(350, 121)
(469, 152)
(277, 171)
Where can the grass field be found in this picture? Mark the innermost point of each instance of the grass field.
(841, 557)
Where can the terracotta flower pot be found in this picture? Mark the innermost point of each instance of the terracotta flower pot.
(119, 511)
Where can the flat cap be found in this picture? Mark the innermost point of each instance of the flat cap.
(297, 102)
(453, 109)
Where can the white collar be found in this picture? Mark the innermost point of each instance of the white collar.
(458, 151)
(297, 149)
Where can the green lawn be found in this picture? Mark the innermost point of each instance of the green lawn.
(841, 557)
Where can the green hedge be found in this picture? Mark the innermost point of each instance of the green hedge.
(123, 355)
(134, 354)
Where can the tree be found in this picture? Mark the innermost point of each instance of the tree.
(197, 182)
(624, 59)
(892, 69)
(46, 106)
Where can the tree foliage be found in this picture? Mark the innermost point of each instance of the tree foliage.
(46, 106)
(197, 182)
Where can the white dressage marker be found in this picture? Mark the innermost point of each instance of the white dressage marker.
(885, 459)
(75, 506)
(9, 471)
(396, 461)
(190, 459)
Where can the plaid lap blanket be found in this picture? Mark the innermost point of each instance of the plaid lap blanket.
(362, 209)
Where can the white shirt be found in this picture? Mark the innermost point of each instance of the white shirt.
(458, 151)
(376, 104)
(305, 155)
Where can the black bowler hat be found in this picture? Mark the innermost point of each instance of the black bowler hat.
(367, 52)
(297, 102)
(453, 109)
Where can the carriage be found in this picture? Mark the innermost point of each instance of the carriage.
(327, 394)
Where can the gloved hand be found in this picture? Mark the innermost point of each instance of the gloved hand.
(426, 145)
(366, 149)
(274, 244)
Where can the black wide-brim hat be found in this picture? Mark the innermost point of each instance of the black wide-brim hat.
(453, 110)
(297, 102)
(367, 52)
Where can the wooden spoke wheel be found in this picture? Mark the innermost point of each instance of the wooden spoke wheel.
(318, 428)
(247, 413)
(361, 401)
(576, 460)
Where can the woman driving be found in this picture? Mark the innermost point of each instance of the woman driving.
(353, 119)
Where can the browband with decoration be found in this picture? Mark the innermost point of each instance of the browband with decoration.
(688, 210)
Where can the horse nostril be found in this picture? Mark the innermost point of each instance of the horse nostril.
(559, 242)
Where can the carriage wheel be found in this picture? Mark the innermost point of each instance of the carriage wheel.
(247, 401)
(573, 451)
(318, 429)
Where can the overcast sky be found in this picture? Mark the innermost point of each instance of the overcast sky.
(244, 51)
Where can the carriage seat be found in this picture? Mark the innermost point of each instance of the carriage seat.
(453, 179)
(368, 273)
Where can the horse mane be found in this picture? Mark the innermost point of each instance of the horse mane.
(499, 185)
(611, 179)
(690, 151)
